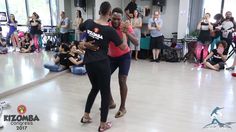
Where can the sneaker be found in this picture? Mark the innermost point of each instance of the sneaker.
(230, 68)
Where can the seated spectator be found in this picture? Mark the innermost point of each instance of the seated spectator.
(27, 45)
(217, 57)
(3, 48)
(75, 62)
(80, 51)
(60, 60)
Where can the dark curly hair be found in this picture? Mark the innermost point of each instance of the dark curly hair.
(224, 43)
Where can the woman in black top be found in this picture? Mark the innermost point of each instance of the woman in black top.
(217, 57)
(75, 62)
(205, 27)
(60, 60)
(26, 44)
(35, 29)
(97, 62)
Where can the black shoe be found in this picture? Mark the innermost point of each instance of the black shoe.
(157, 60)
(230, 68)
(85, 120)
(152, 60)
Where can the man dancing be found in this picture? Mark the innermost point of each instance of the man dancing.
(121, 58)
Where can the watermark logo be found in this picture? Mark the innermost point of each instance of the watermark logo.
(21, 121)
(21, 109)
(215, 115)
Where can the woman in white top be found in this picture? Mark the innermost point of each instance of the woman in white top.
(78, 20)
(136, 23)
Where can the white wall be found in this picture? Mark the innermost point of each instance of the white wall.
(170, 18)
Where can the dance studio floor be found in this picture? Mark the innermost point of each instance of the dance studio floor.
(162, 97)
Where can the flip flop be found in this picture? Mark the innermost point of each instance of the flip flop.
(86, 120)
(120, 114)
(108, 125)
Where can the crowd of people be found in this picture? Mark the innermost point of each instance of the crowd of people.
(218, 36)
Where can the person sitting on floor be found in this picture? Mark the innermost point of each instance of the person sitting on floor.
(75, 62)
(80, 51)
(3, 48)
(27, 45)
(218, 57)
(60, 60)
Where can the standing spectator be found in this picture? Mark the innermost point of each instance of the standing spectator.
(64, 28)
(136, 23)
(204, 26)
(228, 27)
(40, 40)
(157, 38)
(216, 33)
(129, 10)
(35, 30)
(12, 34)
(204, 38)
(78, 20)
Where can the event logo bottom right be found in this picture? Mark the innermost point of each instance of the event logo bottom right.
(216, 122)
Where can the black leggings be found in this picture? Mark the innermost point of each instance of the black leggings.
(229, 42)
(99, 75)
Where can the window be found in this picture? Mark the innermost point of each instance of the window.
(212, 7)
(41, 7)
(18, 8)
(54, 12)
(2, 6)
(229, 5)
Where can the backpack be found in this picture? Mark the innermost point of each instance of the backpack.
(201, 51)
(170, 55)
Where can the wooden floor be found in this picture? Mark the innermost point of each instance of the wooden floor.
(162, 97)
